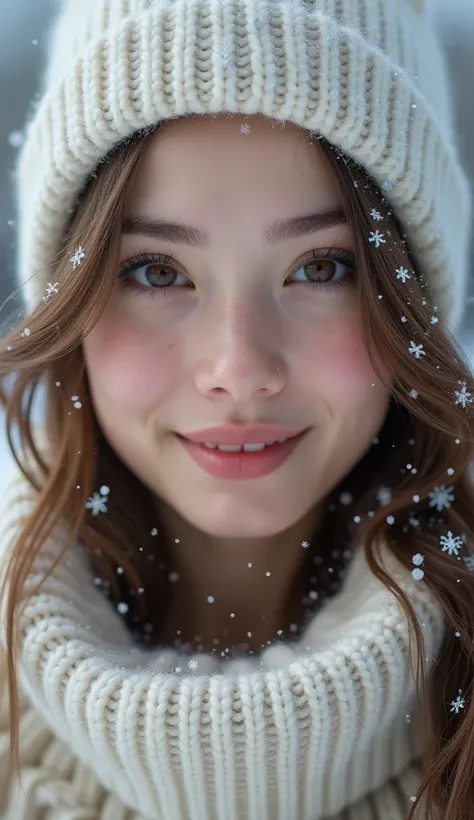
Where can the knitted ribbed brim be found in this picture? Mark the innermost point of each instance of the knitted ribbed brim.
(368, 75)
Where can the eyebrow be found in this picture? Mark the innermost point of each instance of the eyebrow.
(274, 233)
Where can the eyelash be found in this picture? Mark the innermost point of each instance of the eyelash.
(143, 259)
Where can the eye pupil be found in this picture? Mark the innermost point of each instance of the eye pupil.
(158, 270)
(320, 266)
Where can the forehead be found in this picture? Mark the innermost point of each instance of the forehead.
(222, 158)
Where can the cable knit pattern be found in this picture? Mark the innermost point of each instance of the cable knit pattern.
(368, 75)
(312, 730)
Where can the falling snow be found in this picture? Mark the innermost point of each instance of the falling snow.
(384, 496)
(16, 139)
(441, 497)
(97, 503)
(451, 543)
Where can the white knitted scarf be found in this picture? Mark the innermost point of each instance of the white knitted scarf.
(300, 732)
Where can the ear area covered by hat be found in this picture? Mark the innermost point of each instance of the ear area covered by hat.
(367, 75)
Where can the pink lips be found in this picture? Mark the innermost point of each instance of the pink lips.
(250, 433)
(241, 465)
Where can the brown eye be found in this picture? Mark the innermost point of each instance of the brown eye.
(322, 270)
(327, 270)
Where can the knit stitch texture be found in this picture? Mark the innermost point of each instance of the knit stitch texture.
(368, 75)
(303, 731)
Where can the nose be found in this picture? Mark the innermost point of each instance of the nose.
(243, 355)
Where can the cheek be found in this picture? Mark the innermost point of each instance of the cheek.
(127, 367)
(341, 367)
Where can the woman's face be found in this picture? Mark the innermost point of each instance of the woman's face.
(238, 328)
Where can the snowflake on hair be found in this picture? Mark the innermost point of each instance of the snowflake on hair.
(50, 290)
(377, 238)
(469, 562)
(463, 397)
(78, 256)
(376, 215)
(441, 497)
(451, 543)
(457, 704)
(417, 350)
(402, 273)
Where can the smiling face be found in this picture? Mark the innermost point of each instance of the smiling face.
(244, 326)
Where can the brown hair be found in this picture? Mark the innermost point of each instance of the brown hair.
(430, 430)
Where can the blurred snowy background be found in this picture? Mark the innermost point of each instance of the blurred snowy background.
(22, 53)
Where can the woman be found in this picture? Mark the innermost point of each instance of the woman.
(237, 549)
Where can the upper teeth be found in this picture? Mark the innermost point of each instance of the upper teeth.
(234, 448)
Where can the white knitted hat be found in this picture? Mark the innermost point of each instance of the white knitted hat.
(368, 75)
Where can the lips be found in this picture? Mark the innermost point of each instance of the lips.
(242, 434)
(242, 464)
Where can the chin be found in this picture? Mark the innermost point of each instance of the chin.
(240, 520)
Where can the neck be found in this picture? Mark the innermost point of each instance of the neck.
(236, 594)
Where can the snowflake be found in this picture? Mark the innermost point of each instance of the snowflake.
(50, 290)
(413, 394)
(305, 544)
(441, 497)
(402, 273)
(193, 664)
(384, 496)
(417, 350)
(403, 319)
(417, 559)
(418, 574)
(387, 185)
(244, 129)
(451, 543)
(98, 501)
(376, 215)
(457, 704)
(469, 561)
(463, 396)
(78, 256)
(377, 238)
(77, 402)
(26, 332)
(434, 320)
(15, 139)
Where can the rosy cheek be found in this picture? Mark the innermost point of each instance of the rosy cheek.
(341, 365)
(129, 367)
